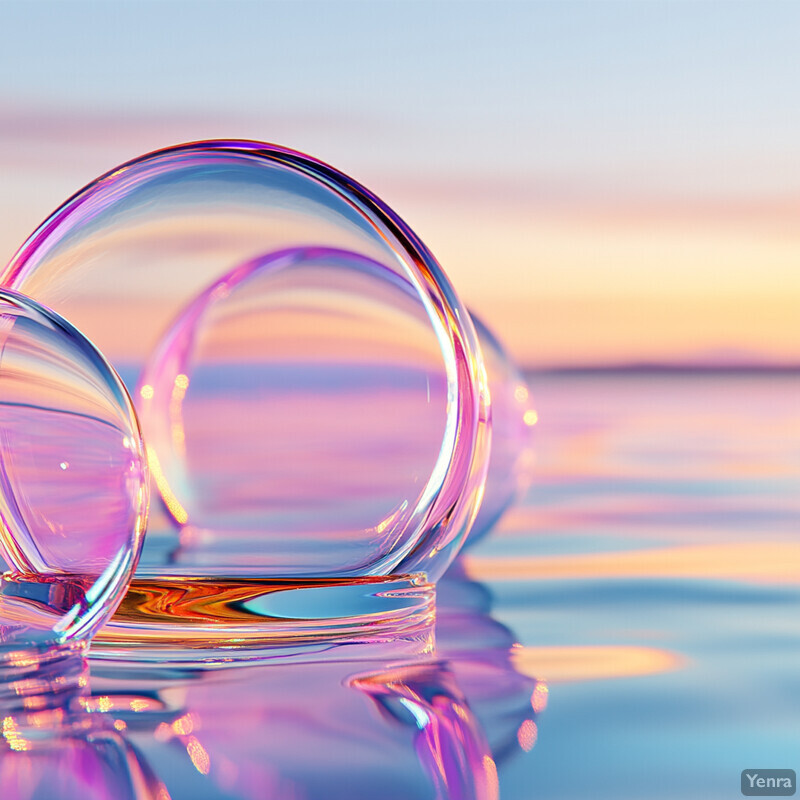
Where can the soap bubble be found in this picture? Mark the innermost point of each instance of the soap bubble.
(265, 408)
(296, 413)
(73, 481)
(513, 419)
(124, 256)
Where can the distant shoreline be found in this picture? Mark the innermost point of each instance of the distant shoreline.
(699, 370)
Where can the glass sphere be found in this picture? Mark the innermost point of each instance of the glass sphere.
(73, 480)
(513, 419)
(300, 399)
(136, 248)
(250, 423)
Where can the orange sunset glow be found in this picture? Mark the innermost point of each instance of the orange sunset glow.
(593, 230)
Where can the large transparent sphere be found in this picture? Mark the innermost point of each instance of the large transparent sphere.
(73, 480)
(136, 248)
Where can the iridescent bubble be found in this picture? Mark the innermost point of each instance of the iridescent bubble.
(302, 395)
(513, 419)
(73, 481)
(126, 255)
(297, 416)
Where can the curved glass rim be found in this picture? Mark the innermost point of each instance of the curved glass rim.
(105, 593)
(457, 481)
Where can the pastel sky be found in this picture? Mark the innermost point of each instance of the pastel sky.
(606, 183)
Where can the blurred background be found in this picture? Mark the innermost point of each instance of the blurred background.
(614, 187)
(606, 183)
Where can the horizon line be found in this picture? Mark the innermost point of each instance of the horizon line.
(664, 368)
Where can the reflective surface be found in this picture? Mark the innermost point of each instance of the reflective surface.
(75, 758)
(52, 745)
(131, 251)
(630, 631)
(353, 722)
(73, 481)
(652, 580)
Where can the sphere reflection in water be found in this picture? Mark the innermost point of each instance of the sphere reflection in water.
(479, 651)
(73, 482)
(326, 729)
(132, 251)
(72, 758)
(358, 722)
(449, 742)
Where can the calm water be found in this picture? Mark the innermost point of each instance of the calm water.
(629, 631)
(652, 578)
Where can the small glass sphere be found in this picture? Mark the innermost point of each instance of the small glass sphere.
(513, 419)
(136, 248)
(296, 415)
(73, 480)
(250, 402)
